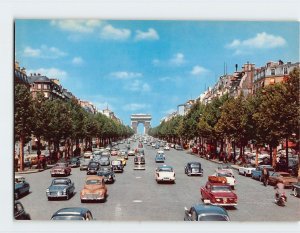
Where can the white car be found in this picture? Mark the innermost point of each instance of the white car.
(166, 147)
(246, 170)
(165, 174)
(229, 177)
(225, 168)
(131, 153)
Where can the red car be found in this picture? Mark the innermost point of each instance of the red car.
(218, 192)
(62, 169)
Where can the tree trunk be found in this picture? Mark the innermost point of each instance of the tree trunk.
(256, 157)
(22, 153)
(271, 155)
(287, 153)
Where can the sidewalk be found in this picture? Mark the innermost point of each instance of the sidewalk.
(33, 170)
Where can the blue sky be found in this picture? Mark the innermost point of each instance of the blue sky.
(147, 66)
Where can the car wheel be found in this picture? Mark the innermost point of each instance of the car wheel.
(295, 192)
(49, 198)
(68, 196)
(17, 195)
(260, 179)
(245, 174)
(82, 201)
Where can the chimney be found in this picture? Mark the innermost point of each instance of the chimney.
(236, 67)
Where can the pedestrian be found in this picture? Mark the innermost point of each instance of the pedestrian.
(265, 176)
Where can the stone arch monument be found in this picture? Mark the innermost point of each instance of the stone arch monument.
(145, 119)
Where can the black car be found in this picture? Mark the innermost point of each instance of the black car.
(75, 162)
(20, 213)
(202, 212)
(193, 168)
(107, 173)
(73, 213)
(92, 168)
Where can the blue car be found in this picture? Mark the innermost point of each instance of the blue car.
(21, 187)
(160, 158)
(257, 173)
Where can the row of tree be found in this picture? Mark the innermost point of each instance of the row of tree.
(57, 121)
(268, 117)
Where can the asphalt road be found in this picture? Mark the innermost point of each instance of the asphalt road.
(136, 196)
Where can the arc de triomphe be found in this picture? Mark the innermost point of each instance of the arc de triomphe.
(145, 119)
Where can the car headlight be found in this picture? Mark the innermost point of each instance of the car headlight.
(47, 191)
(64, 191)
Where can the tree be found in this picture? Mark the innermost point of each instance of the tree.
(23, 118)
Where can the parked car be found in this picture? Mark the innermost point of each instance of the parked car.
(92, 168)
(229, 177)
(166, 147)
(131, 153)
(21, 187)
(218, 192)
(75, 162)
(200, 212)
(296, 189)
(257, 172)
(285, 177)
(178, 147)
(61, 169)
(193, 168)
(104, 161)
(117, 166)
(139, 162)
(88, 155)
(107, 173)
(246, 170)
(165, 174)
(160, 157)
(60, 188)
(19, 212)
(225, 168)
(73, 213)
(94, 189)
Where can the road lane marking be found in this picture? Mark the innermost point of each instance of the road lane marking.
(137, 201)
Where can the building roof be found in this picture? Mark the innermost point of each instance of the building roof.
(38, 78)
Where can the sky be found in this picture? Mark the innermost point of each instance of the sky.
(147, 66)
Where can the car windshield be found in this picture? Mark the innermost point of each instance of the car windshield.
(224, 175)
(67, 218)
(220, 188)
(165, 169)
(195, 165)
(93, 164)
(213, 217)
(60, 165)
(104, 169)
(91, 182)
(59, 182)
(285, 175)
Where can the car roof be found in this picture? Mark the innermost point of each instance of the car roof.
(75, 211)
(62, 178)
(93, 177)
(202, 208)
(165, 166)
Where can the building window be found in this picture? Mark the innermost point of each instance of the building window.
(39, 86)
(45, 86)
(285, 70)
(272, 71)
(46, 94)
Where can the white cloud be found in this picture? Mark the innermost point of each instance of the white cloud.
(50, 73)
(134, 107)
(77, 61)
(137, 85)
(198, 70)
(81, 26)
(151, 34)
(177, 59)
(260, 41)
(109, 32)
(155, 62)
(43, 52)
(125, 75)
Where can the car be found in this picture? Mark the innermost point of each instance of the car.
(229, 177)
(160, 157)
(88, 155)
(165, 174)
(200, 212)
(140, 145)
(257, 172)
(178, 147)
(193, 168)
(225, 168)
(140, 151)
(104, 161)
(246, 170)
(73, 213)
(131, 153)
(60, 188)
(156, 146)
(122, 159)
(61, 169)
(107, 173)
(19, 212)
(139, 162)
(21, 187)
(172, 145)
(217, 192)
(92, 168)
(84, 164)
(117, 166)
(94, 189)
(296, 189)
(285, 177)
(75, 162)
